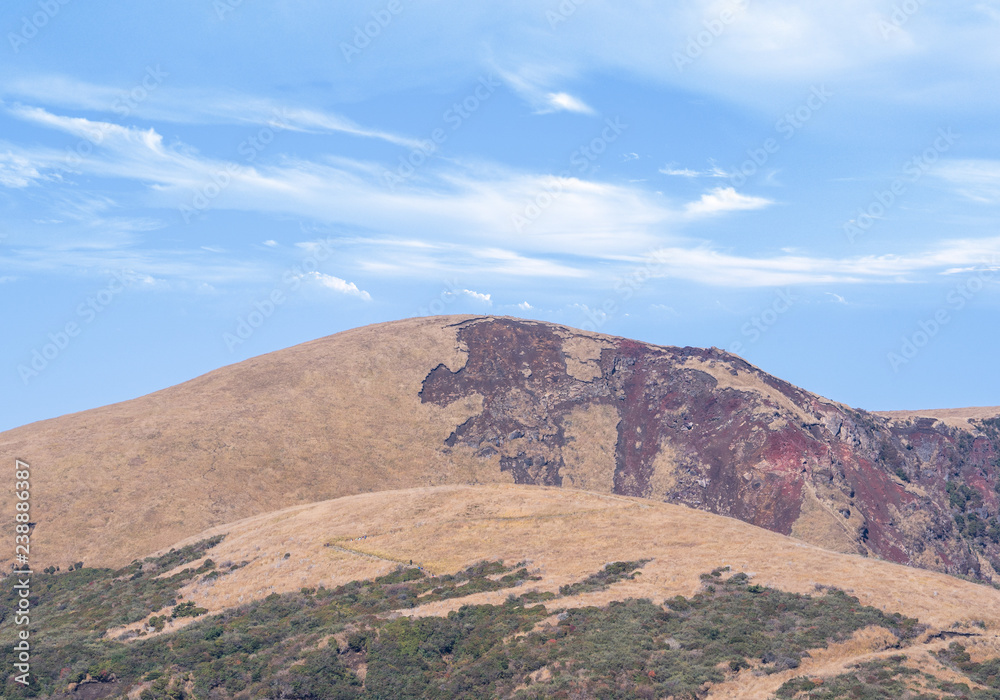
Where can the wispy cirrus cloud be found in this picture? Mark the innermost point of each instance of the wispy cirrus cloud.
(409, 258)
(463, 202)
(714, 171)
(17, 171)
(708, 265)
(189, 106)
(975, 179)
(459, 218)
(534, 85)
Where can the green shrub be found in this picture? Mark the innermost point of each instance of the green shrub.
(882, 679)
(188, 609)
(610, 574)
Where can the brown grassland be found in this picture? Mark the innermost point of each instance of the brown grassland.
(327, 418)
(563, 535)
(956, 417)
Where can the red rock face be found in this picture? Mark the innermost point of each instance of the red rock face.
(736, 451)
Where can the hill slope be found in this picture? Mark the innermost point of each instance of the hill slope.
(564, 534)
(446, 400)
(283, 580)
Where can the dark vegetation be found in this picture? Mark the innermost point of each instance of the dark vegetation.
(611, 573)
(882, 679)
(891, 679)
(967, 507)
(284, 646)
(986, 673)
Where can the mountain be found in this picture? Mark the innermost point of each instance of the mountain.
(475, 400)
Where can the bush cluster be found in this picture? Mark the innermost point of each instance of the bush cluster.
(284, 646)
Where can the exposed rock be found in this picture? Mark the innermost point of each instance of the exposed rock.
(709, 430)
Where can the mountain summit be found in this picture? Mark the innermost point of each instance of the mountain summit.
(472, 399)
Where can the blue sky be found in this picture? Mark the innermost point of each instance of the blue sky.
(814, 186)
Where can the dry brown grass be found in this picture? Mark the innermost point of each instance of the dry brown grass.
(955, 417)
(817, 523)
(565, 535)
(865, 644)
(324, 419)
(589, 455)
(583, 353)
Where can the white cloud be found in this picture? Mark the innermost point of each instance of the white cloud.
(336, 284)
(402, 258)
(271, 243)
(510, 263)
(279, 116)
(564, 101)
(723, 199)
(470, 203)
(17, 171)
(525, 306)
(476, 296)
(679, 172)
(459, 219)
(533, 84)
(769, 50)
(181, 269)
(96, 132)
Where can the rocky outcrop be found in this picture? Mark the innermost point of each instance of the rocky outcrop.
(707, 429)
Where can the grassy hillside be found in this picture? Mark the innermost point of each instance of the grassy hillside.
(565, 535)
(506, 591)
(324, 419)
